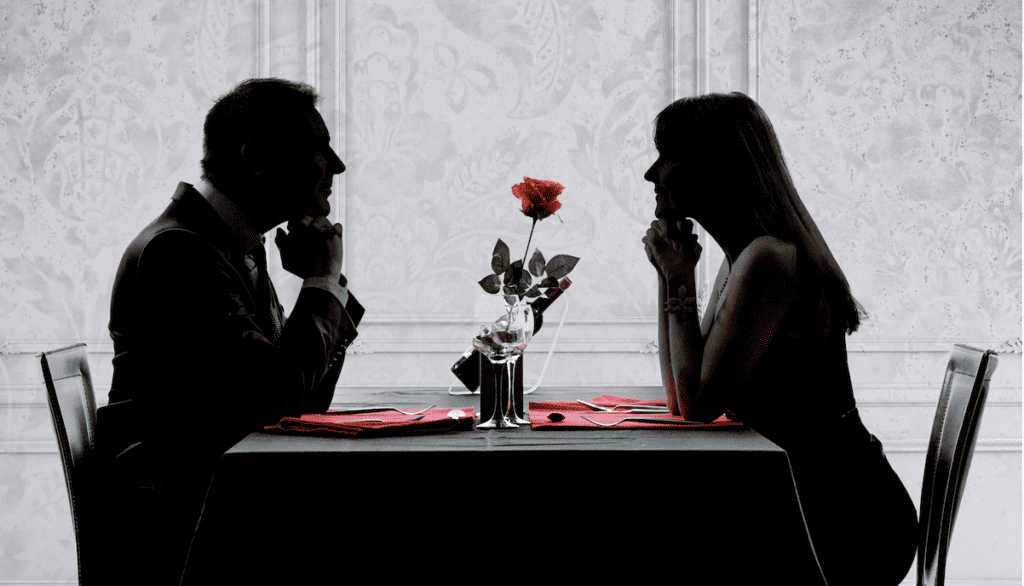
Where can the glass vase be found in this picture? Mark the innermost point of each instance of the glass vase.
(502, 341)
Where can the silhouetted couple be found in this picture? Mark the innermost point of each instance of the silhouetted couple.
(204, 355)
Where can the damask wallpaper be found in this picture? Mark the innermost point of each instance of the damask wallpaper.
(452, 102)
(903, 133)
(900, 122)
(102, 104)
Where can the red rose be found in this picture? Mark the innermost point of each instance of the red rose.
(539, 197)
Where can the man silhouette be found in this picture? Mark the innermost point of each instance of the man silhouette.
(202, 352)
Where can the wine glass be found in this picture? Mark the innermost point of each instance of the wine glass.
(500, 341)
(517, 407)
(514, 399)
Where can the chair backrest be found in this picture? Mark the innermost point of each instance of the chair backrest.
(954, 434)
(73, 410)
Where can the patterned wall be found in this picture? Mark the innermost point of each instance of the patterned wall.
(102, 114)
(900, 122)
(449, 103)
(448, 107)
(904, 133)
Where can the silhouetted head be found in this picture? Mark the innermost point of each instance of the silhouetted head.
(720, 163)
(266, 147)
(722, 146)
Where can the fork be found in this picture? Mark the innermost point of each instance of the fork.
(377, 410)
(634, 407)
(645, 420)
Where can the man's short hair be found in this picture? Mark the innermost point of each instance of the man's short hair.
(256, 109)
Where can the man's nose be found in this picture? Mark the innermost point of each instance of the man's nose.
(336, 163)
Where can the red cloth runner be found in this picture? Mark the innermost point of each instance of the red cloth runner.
(574, 412)
(392, 423)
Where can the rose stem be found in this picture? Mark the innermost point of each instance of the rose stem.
(527, 251)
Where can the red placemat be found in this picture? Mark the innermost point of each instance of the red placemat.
(574, 412)
(391, 423)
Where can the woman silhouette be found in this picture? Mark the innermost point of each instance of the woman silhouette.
(771, 348)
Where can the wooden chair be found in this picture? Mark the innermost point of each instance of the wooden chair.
(954, 434)
(73, 409)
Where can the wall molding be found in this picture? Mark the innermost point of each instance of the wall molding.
(313, 38)
(35, 583)
(754, 50)
(339, 136)
(262, 36)
(702, 47)
(699, 84)
(868, 395)
(570, 341)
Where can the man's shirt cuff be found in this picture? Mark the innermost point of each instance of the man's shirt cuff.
(328, 284)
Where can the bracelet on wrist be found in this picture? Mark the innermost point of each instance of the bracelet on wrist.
(682, 305)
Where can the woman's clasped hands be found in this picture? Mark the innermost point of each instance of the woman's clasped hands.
(672, 247)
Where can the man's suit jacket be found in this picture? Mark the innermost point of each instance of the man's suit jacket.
(194, 366)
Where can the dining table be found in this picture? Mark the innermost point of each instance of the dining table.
(707, 505)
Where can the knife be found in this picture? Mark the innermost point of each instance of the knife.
(645, 420)
(358, 411)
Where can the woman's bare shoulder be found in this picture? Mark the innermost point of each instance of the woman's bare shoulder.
(768, 255)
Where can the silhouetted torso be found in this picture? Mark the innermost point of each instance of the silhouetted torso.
(862, 521)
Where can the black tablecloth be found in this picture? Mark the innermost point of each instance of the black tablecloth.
(705, 506)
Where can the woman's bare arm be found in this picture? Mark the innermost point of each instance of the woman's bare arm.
(762, 288)
(664, 350)
(686, 348)
(674, 251)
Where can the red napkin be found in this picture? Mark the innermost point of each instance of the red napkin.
(574, 412)
(392, 423)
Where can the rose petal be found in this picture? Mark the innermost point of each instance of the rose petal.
(539, 197)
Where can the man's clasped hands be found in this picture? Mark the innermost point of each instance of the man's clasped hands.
(312, 247)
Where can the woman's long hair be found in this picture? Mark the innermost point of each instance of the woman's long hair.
(729, 140)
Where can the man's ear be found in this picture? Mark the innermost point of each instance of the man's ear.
(253, 157)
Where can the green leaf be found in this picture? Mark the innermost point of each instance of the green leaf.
(525, 277)
(500, 257)
(511, 299)
(491, 284)
(508, 290)
(537, 263)
(549, 282)
(560, 265)
(533, 292)
(514, 272)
